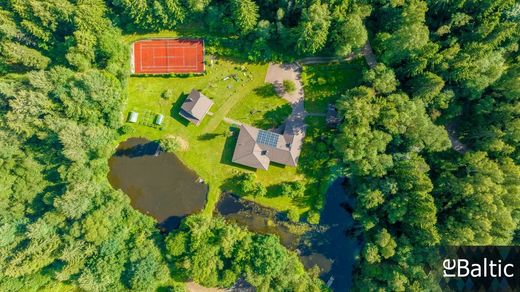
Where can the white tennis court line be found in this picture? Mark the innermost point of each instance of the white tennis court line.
(170, 46)
(168, 66)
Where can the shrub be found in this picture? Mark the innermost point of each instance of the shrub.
(293, 215)
(322, 147)
(313, 217)
(247, 185)
(260, 190)
(167, 94)
(321, 81)
(289, 86)
(125, 129)
(170, 144)
(295, 189)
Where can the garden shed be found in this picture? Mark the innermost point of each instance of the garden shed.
(132, 117)
(159, 119)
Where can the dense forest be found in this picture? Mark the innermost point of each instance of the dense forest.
(448, 70)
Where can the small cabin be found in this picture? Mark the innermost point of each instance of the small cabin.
(332, 117)
(195, 107)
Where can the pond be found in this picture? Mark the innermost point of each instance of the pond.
(256, 218)
(332, 245)
(157, 182)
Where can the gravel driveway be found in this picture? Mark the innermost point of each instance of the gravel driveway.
(276, 74)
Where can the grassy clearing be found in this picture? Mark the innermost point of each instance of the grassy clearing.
(325, 83)
(210, 147)
(244, 97)
(262, 108)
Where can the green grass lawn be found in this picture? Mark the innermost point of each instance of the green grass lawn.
(325, 83)
(210, 149)
(262, 108)
(243, 97)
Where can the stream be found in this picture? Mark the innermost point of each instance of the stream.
(329, 245)
(160, 185)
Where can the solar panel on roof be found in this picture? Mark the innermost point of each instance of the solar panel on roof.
(267, 138)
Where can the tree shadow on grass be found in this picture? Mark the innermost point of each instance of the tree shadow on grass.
(274, 191)
(266, 90)
(230, 185)
(208, 136)
(275, 117)
(174, 112)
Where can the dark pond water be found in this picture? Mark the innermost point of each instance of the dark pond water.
(158, 183)
(336, 242)
(256, 218)
(331, 245)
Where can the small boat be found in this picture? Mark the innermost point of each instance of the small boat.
(329, 282)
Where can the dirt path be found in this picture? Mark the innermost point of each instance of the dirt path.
(366, 52)
(231, 121)
(277, 73)
(194, 287)
(316, 114)
(369, 55)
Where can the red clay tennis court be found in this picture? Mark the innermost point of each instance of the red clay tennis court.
(161, 56)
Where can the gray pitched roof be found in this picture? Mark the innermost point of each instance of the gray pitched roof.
(254, 152)
(195, 107)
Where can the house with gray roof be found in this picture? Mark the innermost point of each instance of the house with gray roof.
(195, 107)
(257, 148)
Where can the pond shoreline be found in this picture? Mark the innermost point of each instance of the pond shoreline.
(328, 245)
(157, 182)
(144, 172)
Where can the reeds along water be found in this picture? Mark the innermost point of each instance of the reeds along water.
(327, 245)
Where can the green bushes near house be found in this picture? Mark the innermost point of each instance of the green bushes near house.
(170, 144)
(293, 189)
(289, 86)
(167, 94)
(173, 143)
(247, 185)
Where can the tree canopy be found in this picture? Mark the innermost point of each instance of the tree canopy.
(442, 66)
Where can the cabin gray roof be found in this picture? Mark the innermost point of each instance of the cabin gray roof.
(195, 107)
(257, 148)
